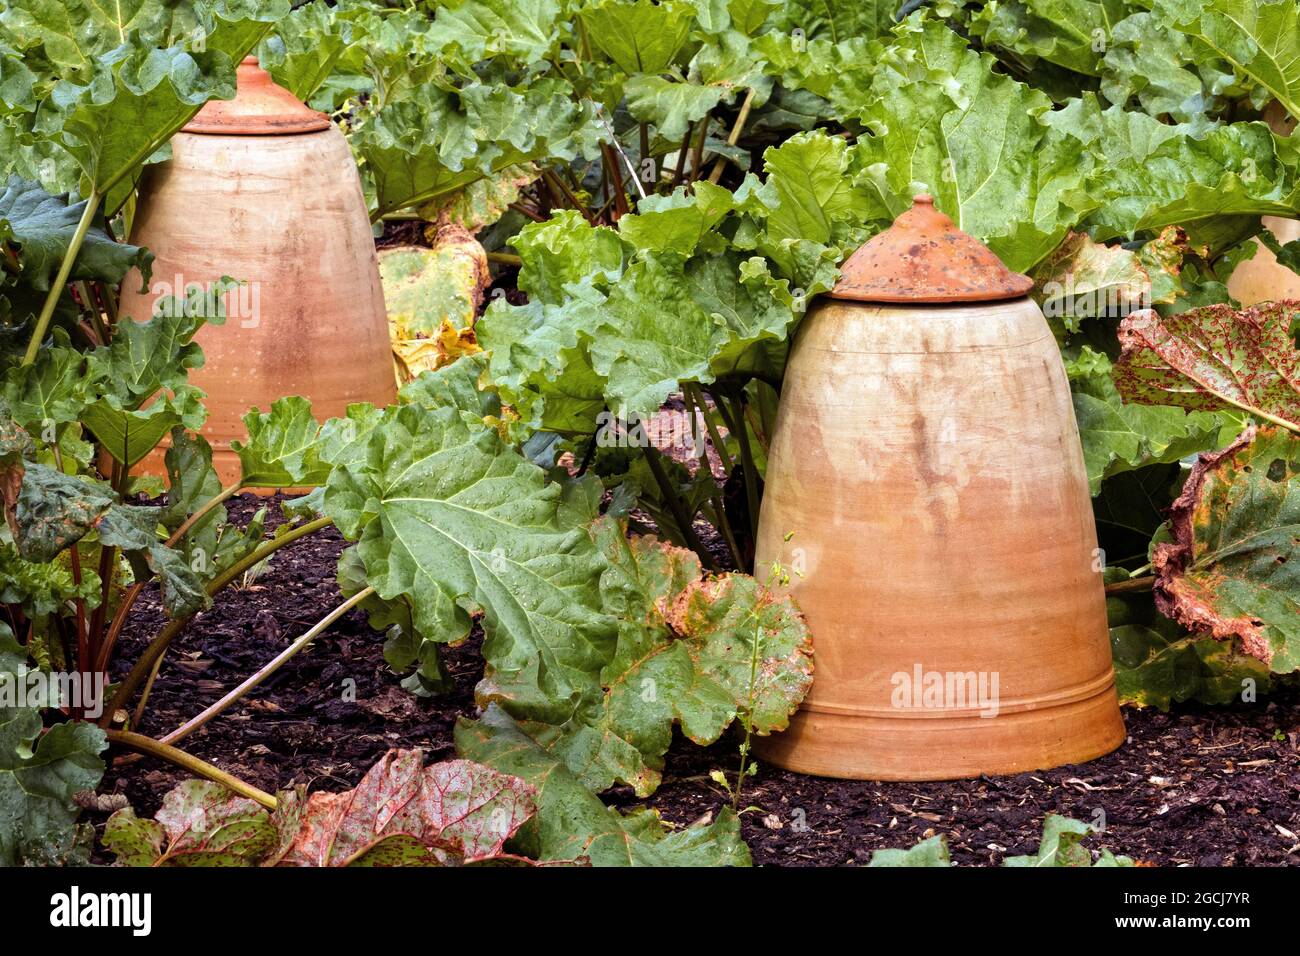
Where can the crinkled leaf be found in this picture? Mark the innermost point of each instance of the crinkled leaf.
(39, 775)
(1259, 37)
(573, 825)
(1166, 71)
(1213, 180)
(525, 30)
(947, 124)
(640, 37)
(1061, 32)
(449, 516)
(1119, 436)
(685, 650)
(836, 21)
(810, 181)
(283, 447)
(1231, 568)
(566, 249)
(52, 390)
(42, 227)
(434, 142)
(676, 223)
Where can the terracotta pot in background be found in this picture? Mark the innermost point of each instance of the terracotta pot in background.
(263, 189)
(927, 461)
(1261, 279)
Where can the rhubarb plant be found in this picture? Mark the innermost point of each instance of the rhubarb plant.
(647, 197)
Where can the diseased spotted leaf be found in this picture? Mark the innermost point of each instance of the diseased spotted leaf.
(200, 823)
(1232, 568)
(1213, 358)
(1155, 670)
(405, 814)
(731, 619)
(1083, 279)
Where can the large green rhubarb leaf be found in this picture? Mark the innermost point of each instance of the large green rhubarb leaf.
(1212, 180)
(1071, 34)
(524, 30)
(573, 825)
(433, 141)
(686, 650)
(836, 21)
(132, 76)
(946, 123)
(1261, 38)
(1230, 569)
(1166, 71)
(40, 773)
(640, 37)
(1120, 437)
(42, 225)
(449, 516)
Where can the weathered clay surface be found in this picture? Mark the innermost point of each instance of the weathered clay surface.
(927, 461)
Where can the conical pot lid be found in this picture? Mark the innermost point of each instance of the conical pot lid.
(924, 257)
(260, 108)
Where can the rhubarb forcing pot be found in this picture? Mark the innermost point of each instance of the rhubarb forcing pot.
(262, 189)
(926, 479)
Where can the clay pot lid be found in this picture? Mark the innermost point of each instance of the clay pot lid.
(261, 107)
(924, 257)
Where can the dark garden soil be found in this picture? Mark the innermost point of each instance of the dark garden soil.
(1202, 785)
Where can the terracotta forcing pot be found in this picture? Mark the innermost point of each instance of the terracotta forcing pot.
(263, 189)
(927, 462)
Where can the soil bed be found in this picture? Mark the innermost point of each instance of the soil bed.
(1202, 786)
